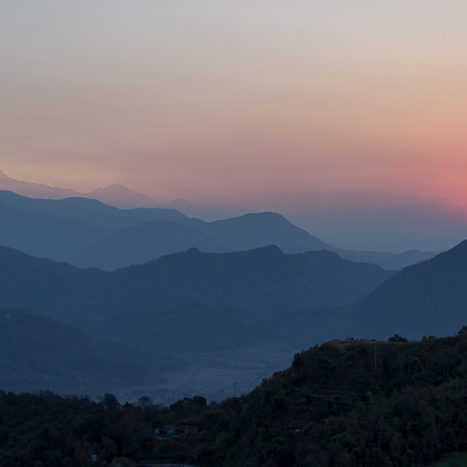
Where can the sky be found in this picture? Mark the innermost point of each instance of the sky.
(350, 117)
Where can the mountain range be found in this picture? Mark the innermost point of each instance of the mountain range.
(208, 302)
(88, 233)
(114, 194)
(179, 306)
(285, 292)
(256, 283)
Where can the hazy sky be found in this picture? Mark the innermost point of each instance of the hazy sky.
(308, 107)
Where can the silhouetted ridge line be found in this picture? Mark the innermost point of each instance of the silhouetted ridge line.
(427, 298)
(257, 283)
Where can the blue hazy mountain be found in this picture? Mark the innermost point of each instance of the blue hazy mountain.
(238, 231)
(259, 280)
(115, 194)
(36, 190)
(45, 235)
(256, 230)
(256, 283)
(144, 242)
(86, 232)
(386, 260)
(123, 197)
(38, 353)
(90, 211)
(89, 233)
(45, 286)
(427, 298)
(141, 243)
(212, 301)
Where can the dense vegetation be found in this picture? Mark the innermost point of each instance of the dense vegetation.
(345, 403)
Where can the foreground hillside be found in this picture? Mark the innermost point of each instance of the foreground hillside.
(345, 403)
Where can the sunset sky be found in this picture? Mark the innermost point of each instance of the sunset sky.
(341, 114)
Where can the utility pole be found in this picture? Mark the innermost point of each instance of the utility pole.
(374, 355)
(235, 389)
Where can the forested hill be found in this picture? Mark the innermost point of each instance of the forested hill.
(345, 403)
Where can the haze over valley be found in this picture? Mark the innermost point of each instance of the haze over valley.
(210, 304)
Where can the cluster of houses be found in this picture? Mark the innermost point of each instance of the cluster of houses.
(168, 431)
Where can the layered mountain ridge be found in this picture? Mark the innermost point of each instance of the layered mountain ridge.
(89, 233)
(261, 281)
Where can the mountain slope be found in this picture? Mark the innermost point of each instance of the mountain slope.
(38, 353)
(33, 189)
(142, 243)
(386, 260)
(45, 235)
(140, 235)
(423, 299)
(122, 197)
(44, 286)
(257, 230)
(90, 211)
(257, 283)
(261, 280)
(235, 233)
(428, 298)
(116, 195)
